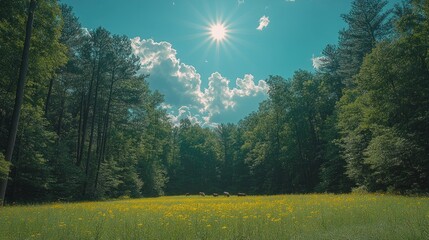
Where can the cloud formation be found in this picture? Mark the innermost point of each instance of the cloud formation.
(263, 23)
(246, 86)
(240, 2)
(181, 85)
(177, 81)
(319, 62)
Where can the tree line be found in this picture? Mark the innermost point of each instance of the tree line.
(91, 128)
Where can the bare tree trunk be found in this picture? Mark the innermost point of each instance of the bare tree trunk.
(91, 137)
(19, 94)
(105, 131)
(79, 130)
(98, 152)
(13, 188)
(100, 133)
(48, 98)
(60, 118)
(86, 115)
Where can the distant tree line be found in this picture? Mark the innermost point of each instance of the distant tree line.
(90, 127)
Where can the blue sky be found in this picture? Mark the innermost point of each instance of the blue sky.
(217, 81)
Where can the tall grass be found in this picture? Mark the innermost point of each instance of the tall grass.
(253, 217)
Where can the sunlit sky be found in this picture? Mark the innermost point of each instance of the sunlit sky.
(217, 78)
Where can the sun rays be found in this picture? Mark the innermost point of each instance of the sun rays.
(218, 32)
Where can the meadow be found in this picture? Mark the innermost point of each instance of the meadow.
(314, 216)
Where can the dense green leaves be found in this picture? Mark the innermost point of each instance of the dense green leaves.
(367, 24)
(384, 118)
(361, 120)
(4, 167)
(85, 124)
(92, 128)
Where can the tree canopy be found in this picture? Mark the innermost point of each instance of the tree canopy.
(91, 127)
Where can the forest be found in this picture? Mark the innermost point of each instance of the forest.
(90, 127)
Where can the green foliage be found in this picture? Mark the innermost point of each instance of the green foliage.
(30, 164)
(286, 142)
(198, 160)
(367, 24)
(333, 177)
(92, 128)
(31, 170)
(4, 167)
(384, 119)
(390, 158)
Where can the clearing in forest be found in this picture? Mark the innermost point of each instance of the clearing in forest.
(314, 216)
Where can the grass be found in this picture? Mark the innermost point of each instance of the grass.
(315, 216)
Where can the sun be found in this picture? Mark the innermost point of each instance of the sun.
(218, 32)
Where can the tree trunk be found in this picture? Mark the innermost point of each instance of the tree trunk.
(19, 94)
(86, 115)
(79, 130)
(48, 98)
(91, 137)
(99, 150)
(60, 118)
(105, 131)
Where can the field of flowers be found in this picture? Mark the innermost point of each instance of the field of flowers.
(253, 217)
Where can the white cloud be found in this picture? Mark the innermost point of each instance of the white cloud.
(218, 94)
(289, 0)
(263, 22)
(165, 106)
(181, 85)
(319, 62)
(184, 112)
(240, 2)
(246, 86)
(221, 98)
